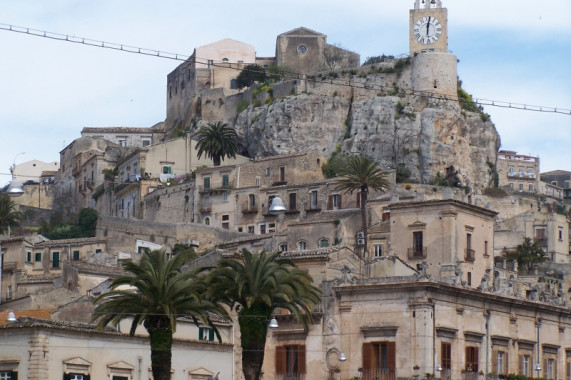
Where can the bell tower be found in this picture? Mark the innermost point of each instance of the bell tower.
(428, 27)
(434, 68)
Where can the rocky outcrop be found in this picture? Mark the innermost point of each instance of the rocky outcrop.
(429, 135)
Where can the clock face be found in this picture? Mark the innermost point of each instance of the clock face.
(427, 30)
(301, 49)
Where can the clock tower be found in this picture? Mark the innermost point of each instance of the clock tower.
(428, 27)
(434, 68)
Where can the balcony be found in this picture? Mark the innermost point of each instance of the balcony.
(279, 183)
(541, 242)
(9, 265)
(469, 255)
(250, 209)
(522, 176)
(216, 187)
(417, 253)
(205, 210)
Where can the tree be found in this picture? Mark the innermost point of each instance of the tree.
(361, 173)
(9, 216)
(255, 286)
(250, 74)
(527, 254)
(159, 292)
(217, 141)
(87, 221)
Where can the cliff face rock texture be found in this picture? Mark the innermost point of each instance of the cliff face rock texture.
(379, 117)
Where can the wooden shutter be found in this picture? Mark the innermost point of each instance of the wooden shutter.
(339, 204)
(520, 364)
(476, 359)
(367, 352)
(555, 369)
(330, 202)
(280, 359)
(211, 335)
(391, 359)
(495, 368)
(301, 359)
(544, 369)
(506, 368)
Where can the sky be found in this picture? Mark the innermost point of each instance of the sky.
(516, 51)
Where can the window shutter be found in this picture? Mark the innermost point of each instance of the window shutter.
(506, 368)
(367, 352)
(339, 205)
(66, 376)
(14, 375)
(211, 335)
(330, 202)
(280, 359)
(467, 359)
(301, 359)
(200, 333)
(476, 360)
(391, 359)
(495, 361)
(86, 377)
(555, 369)
(544, 369)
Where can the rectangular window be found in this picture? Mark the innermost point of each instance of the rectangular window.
(293, 201)
(29, 257)
(226, 222)
(250, 229)
(146, 142)
(500, 362)
(75, 255)
(530, 188)
(525, 365)
(283, 247)
(301, 246)
(334, 202)
(290, 361)
(549, 369)
(540, 233)
(252, 200)
(267, 172)
(262, 228)
(225, 181)
(167, 170)
(38, 257)
(446, 355)
(206, 183)
(8, 375)
(258, 181)
(282, 173)
(271, 228)
(98, 250)
(471, 359)
(379, 360)
(378, 250)
(55, 259)
(417, 247)
(206, 333)
(486, 248)
(469, 278)
(313, 199)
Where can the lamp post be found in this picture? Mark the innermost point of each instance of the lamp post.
(15, 188)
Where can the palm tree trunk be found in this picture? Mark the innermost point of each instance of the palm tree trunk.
(253, 330)
(364, 191)
(160, 335)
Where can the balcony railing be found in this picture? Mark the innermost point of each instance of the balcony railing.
(541, 241)
(248, 208)
(469, 254)
(378, 374)
(417, 253)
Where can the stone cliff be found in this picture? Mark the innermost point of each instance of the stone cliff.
(378, 114)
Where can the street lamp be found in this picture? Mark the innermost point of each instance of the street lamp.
(273, 323)
(538, 369)
(277, 206)
(15, 188)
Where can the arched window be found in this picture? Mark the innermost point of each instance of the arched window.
(301, 245)
(207, 221)
(323, 243)
(283, 247)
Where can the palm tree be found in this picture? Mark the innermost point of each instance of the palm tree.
(158, 292)
(9, 216)
(255, 286)
(361, 173)
(217, 141)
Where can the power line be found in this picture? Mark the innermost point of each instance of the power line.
(182, 57)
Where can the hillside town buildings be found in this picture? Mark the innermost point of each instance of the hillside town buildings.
(431, 291)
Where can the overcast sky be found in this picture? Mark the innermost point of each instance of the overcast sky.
(511, 50)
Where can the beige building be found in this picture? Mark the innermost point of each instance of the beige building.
(518, 172)
(37, 349)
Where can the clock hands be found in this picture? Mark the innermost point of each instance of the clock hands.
(428, 26)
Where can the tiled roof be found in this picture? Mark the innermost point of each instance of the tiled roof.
(83, 266)
(116, 130)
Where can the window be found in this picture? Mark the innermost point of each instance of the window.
(258, 181)
(8, 375)
(469, 278)
(521, 187)
(75, 376)
(378, 360)
(262, 228)
(206, 333)
(98, 250)
(226, 222)
(334, 202)
(55, 259)
(283, 247)
(206, 181)
(38, 257)
(252, 200)
(282, 173)
(167, 170)
(122, 142)
(549, 369)
(511, 185)
(267, 172)
(500, 362)
(146, 142)
(225, 197)
(446, 355)
(119, 378)
(525, 365)
(225, 181)
(293, 201)
(323, 243)
(540, 233)
(560, 232)
(378, 250)
(271, 228)
(250, 229)
(530, 188)
(485, 248)
(301, 246)
(313, 199)
(290, 361)
(417, 247)
(471, 359)
(75, 255)
(29, 257)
